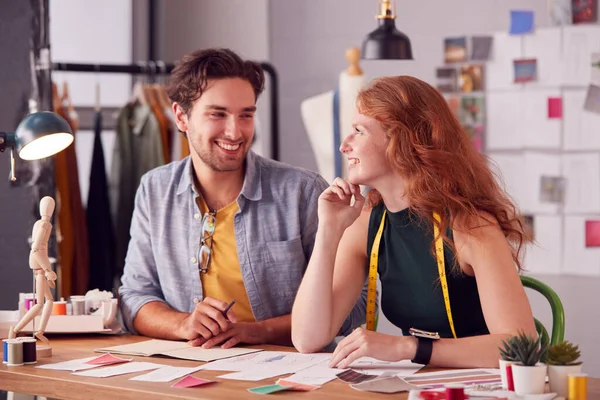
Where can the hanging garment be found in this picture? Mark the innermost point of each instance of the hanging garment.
(73, 250)
(138, 149)
(99, 222)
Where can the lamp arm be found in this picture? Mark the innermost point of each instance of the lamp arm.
(7, 139)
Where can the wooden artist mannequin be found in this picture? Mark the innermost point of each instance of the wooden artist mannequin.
(44, 276)
(317, 114)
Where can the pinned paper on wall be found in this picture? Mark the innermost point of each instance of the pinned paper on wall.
(580, 127)
(525, 70)
(582, 172)
(539, 166)
(595, 78)
(579, 259)
(592, 99)
(584, 11)
(544, 255)
(521, 22)
(471, 78)
(560, 12)
(455, 49)
(592, 233)
(481, 47)
(552, 189)
(578, 43)
(554, 107)
(447, 79)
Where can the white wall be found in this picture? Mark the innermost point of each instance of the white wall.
(241, 25)
(92, 32)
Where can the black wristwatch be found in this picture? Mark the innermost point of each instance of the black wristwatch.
(424, 348)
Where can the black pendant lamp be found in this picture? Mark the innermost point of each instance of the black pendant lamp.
(386, 42)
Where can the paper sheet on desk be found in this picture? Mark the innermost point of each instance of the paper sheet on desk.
(372, 366)
(71, 365)
(274, 360)
(120, 369)
(166, 374)
(316, 375)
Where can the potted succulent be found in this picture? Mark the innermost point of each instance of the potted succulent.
(529, 374)
(507, 357)
(562, 360)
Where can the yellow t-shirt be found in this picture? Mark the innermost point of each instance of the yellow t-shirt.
(223, 280)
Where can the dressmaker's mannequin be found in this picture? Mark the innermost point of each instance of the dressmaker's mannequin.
(317, 114)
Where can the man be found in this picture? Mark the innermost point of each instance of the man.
(222, 224)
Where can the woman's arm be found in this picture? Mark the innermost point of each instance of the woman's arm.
(482, 250)
(332, 283)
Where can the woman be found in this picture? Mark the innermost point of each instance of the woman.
(411, 150)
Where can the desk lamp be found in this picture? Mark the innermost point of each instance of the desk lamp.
(39, 135)
(386, 42)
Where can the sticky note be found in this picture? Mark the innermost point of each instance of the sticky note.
(269, 389)
(592, 233)
(521, 22)
(554, 107)
(108, 359)
(191, 381)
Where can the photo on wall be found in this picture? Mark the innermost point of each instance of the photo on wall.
(584, 11)
(552, 189)
(447, 80)
(592, 233)
(527, 221)
(471, 78)
(525, 70)
(472, 111)
(595, 78)
(455, 49)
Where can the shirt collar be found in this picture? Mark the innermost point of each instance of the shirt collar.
(252, 188)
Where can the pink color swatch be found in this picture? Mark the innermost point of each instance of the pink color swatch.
(191, 381)
(554, 107)
(108, 359)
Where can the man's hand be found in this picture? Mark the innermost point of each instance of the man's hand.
(206, 320)
(241, 332)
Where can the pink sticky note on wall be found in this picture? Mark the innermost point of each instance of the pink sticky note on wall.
(592, 233)
(554, 107)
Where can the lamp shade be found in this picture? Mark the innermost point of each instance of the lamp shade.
(42, 134)
(386, 43)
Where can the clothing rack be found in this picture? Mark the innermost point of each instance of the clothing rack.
(154, 68)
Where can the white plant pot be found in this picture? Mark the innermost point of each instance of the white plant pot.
(529, 380)
(503, 364)
(558, 375)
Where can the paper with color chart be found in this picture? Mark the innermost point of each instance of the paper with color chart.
(582, 172)
(120, 369)
(579, 43)
(316, 375)
(71, 365)
(499, 68)
(392, 384)
(166, 374)
(521, 21)
(458, 376)
(579, 259)
(580, 126)
(544, 256)
(544, 46)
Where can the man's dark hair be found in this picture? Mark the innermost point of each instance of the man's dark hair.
(191, 74)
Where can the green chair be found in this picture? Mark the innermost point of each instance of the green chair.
(558, 312)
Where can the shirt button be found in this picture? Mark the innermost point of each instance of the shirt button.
(193, 260)
(197, 216)
(196, 300)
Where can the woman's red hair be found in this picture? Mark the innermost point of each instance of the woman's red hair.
(443, 171)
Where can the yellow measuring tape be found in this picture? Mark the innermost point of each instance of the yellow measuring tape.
(373, 263)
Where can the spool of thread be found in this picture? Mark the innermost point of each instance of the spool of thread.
(15, 353)
(5, 351)
(29, 350)
(59, 308)
(29, 303)
(577, 386)
(78, 305)
(455, 392)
